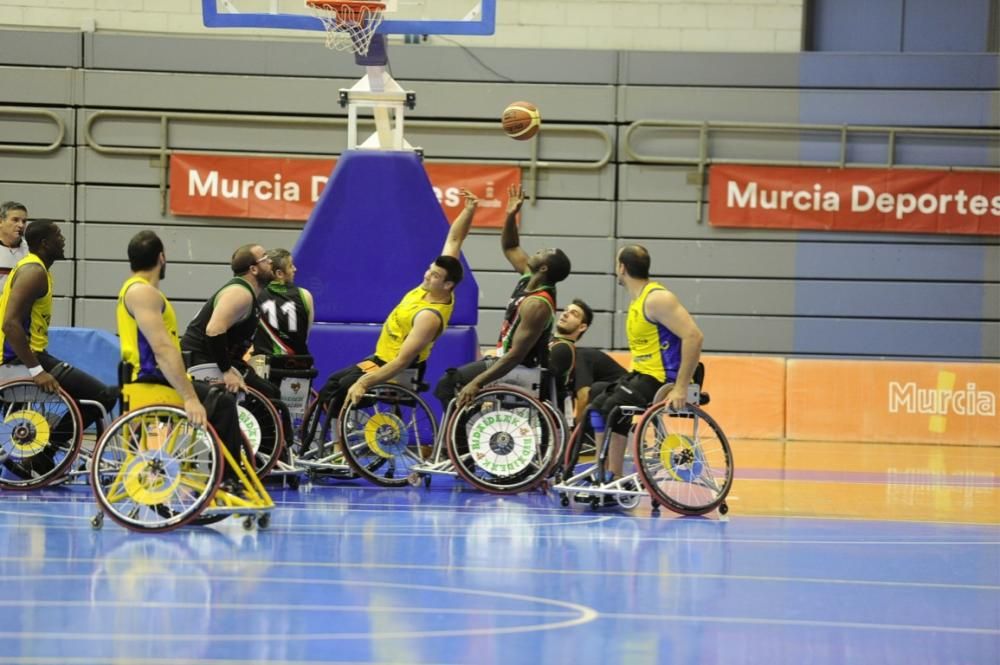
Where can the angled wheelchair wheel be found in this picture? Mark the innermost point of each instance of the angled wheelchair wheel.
(581, 442)
(503, 441)
(40, 435)
(683, 458)
(261, 426)
(152, 471)
(313, 422)
(386, 434)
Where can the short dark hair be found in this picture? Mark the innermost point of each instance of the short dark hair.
(39, 231)
(243, 259)
(588, 314)
(9, 206)
(635, 258)
(452, 268)
(144, 250)
(559, 266)
(280, 258)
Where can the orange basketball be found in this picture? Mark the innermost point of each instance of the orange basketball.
(521, 120)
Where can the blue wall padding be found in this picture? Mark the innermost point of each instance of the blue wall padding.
(96, 352)
(374, 231)
(337, 345)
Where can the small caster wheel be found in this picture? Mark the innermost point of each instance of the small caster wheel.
(723, 508)
(413, 479)
(427, 482)
(564, 501)
(97, 521)
(293, 483)
(248, 523)
(264, 521)
(655, 512)
(595, 503)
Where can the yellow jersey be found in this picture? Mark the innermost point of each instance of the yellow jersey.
(656, 350)
(400, 322)
(36, 326)
(136, 349)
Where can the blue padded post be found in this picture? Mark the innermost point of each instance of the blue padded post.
(374, 231)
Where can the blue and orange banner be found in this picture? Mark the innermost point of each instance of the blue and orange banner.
(852, 199)
(288, 188)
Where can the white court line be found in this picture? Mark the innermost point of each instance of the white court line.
(510, 570)
(660, 618)
(581, 614)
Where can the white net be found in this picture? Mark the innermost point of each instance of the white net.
(350, 26)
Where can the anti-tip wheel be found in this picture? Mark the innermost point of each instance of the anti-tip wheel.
(427, 482)
(564, 501)
(293, 483)
(264, 521)
(723, 508)
(97, 521)
(413, 479)
(248, 523)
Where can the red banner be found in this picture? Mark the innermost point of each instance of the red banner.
(286, 188)
(882, 200)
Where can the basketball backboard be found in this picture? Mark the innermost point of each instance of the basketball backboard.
(402, 17)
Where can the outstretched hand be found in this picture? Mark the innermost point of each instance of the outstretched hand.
(515, 199)
(471, 200)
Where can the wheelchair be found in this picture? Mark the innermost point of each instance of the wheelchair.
(152, 471)
(506, 440)
(259, 419)
(292, 376)
(682, 459)
(42, 438)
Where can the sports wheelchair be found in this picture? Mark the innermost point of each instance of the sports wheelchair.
(152, 471)
(41, 434)
(682, 459)
(506, 440)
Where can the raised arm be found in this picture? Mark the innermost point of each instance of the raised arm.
(30, 285)
(535, 315)
(146, 306)
(426, 326)
(460, 227)
(664, 307)
(510, 241)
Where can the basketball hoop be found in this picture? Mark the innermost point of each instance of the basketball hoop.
(350, 24)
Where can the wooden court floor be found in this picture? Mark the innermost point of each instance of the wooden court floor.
(831, 553)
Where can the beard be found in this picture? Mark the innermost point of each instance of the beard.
(563, 330)
(163, 270)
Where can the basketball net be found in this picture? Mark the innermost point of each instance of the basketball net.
(349, 26)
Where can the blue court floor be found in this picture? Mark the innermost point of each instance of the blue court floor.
(353, 574)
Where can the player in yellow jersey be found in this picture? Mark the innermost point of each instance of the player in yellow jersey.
(410, 330)
(26, 311)
(665, 344)
(147, 327)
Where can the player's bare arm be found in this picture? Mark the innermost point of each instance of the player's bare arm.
(30, 285)
(664, 307)
(510, 241)
(460, 227)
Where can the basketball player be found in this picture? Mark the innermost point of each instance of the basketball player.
(527, 326)
(287, 311)
(665, 344)
(13, 218)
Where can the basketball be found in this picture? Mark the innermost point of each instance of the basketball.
(521, 120)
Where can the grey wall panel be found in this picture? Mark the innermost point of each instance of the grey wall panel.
(701, 104)
(261, 94)
(682, 144)
(565, 217)
(932, 339)
(183, 245)
(733, 334)
(32, 85)
(95, 168)
(44, 201)
(37, 130)
(53, 167)
(62, 312)
(308, 58)
(830, 260)
(38, 48)
(658, 183)
(63, 283)
(184, 281)
(769, 70)
(596, 290)
(588, 255)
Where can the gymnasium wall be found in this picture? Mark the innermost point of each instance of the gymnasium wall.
(753, 291)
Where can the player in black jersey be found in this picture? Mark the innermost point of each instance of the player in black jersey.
(286, 311)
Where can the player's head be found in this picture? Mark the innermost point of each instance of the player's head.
(282, 265)
(13, 217)
(145, 252)
(554, 262)
(46, 240)
(252, 260)
(443, 274)
(633, 261)
(575, 319)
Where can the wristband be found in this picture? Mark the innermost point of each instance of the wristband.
(35, 371)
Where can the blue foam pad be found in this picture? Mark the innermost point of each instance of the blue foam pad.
(374, 231)
(96, 352)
